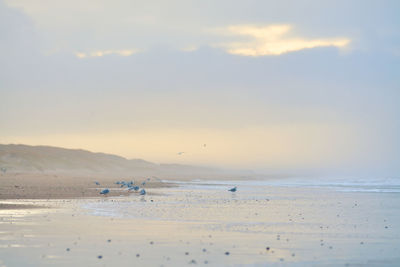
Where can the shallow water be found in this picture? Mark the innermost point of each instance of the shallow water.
(381, 185)
(199, 222)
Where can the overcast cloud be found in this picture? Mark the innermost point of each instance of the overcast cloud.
(298, 84)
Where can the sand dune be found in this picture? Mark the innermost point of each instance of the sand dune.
(44, 172)
(46, 159)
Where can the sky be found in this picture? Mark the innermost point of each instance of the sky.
(307, 86)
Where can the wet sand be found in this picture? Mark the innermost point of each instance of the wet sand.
(206, 225)
(64, 186)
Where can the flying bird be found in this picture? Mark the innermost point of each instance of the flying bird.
(233, 189)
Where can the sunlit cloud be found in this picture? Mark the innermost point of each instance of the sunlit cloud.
(272, 40)
(190, 48)
(102, 53)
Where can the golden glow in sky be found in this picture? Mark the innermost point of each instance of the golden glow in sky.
(277, 146)
(273, 40)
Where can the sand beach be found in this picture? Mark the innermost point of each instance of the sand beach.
(201, 223)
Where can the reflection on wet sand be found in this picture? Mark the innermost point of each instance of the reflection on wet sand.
(206, 224)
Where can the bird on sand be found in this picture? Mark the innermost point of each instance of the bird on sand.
(233, 189)
(136, 188)
(142, 192)
(97, 183)
(105, 191)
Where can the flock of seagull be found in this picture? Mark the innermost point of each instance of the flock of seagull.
(131, 186)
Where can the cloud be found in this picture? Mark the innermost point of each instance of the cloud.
(272, 40)
(190, 48)
(102, 53)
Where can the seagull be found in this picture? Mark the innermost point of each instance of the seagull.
(105, 191)
(136, 188)
(233, 189)
(142, 192)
